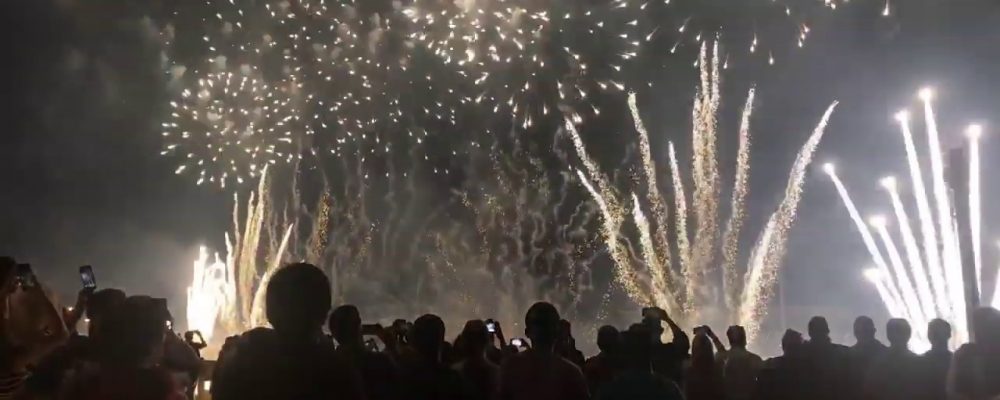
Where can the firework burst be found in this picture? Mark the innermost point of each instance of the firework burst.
(527, 59)
(229, 126)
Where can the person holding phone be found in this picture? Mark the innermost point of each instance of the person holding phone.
(539, 373)
(479, 373)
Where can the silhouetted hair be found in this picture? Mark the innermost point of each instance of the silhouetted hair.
(938, 331)
(131, 332)
(474, 337)
(986, 325)
(818, 328)
(427, 336)
(345, 323)
(103, 301)
(298, 299)
(542, 324)
(864, 327)
(608, 338)
(636, 349)
(791, 341)
(702, 352)
(737, 336)
(898, 331)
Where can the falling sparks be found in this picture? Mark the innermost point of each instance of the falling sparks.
(229, 127)
(206, 297)
(686, 294)
(937, 289)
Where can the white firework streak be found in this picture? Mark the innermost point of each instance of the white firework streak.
(731, 237)
(706, 174)
(660, 284)
(653, 190)
(914, 313)
(762, 275)
(683, 241)
(912, 252)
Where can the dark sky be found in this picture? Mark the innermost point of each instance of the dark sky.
(83, 96)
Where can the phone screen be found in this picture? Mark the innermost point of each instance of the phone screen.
(516, 342)
(25, 276)
(87, 277)
(491, 326)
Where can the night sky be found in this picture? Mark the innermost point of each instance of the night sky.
(84, 95)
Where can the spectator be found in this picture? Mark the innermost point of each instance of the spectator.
(781, 377)
(566, 347)
(292, 361)
(826, 363)
(129, 350)
(46, 378)
(425, 375)
(378, 374)
(603, 367)
(668, 358)
(866, 350)
(895, 374)
(976, 366)
(935, 362)
(479, 374)
(703, 380)
(739, 366)
(30, 327)
(637, 380)
(538, 373)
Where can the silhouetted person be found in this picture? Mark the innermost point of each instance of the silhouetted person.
(47, 377)
(739, 366)
(782, 376)
(566, 346)
(894, 375)
(636, 381)
(936, 361)
(866, 350)
(378, 374)
(826, 363)
(602, 368)
(128, 352)
(539, 373)
(668, 358)
(703, 379)
(480, 375)
(425, 375)
(976, 366)
(294, 360)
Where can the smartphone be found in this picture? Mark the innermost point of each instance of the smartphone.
(161, 307)
(491, 326)
(517, 342)
(87, 277)
(371, 345)
(194, 337)
(25, 276)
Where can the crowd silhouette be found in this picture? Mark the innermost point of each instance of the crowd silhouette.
(130, 352)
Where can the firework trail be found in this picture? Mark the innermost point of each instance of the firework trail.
(927, 229)
(206, 296)
(926, 298)
(730, 239)
(762, 276)
(937, 276)
(683, 295)
(866, 236)
(659, 207)
(914, 313)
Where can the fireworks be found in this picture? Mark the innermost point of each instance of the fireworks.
(229, 127)
(526, 58)
(928, 283)
(758, 31)
(688, 294)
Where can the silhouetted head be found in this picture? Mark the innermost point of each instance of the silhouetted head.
(791, 342)
(864, 329)
(608, 338)
(986, 327)
(819, 330)
(475, 337)
(565, 330)
(636, 348)
(345, 324)
(939, 333)
(897, 330)
(427, 336)
(737, 336)
(298, 299)
(541, 325)
(100, 304)
(132, 333)
(702, 352)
